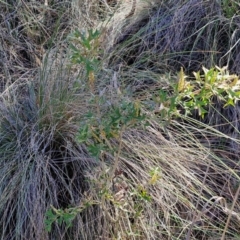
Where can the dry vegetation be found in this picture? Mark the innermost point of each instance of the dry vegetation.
(115, 176)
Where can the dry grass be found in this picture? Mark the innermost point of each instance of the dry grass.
(191, 196)
(41, 162)
(188, 34)
(167, 180)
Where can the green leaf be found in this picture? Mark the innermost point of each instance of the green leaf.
(60, 220)
(229, 103)
(68, 218)
(163, 96)
(201, 111)
(50, 218)
(73, 47)
(93, 34)
(76, 33)
(197, 76)
(89, 66)
(83, 134)
(95, 149)
(237, 94)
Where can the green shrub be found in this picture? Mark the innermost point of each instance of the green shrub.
(197, 94)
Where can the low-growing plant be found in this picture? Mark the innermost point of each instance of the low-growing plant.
(97, 131)
(100, 125)
(85, 51)
(197, 94)
(65, 216)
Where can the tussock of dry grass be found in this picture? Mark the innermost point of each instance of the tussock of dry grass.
(168, 180)
(41, 162)
(190, 34)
